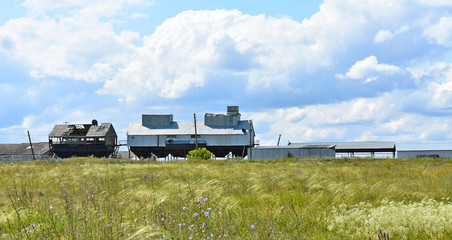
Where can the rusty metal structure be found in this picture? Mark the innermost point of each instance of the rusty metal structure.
(81, 140)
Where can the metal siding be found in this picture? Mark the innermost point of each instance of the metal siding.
(139, 141)
(279, 153)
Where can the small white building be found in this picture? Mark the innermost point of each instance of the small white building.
(424, 150)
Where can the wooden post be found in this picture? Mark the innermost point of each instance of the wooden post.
(31, 146)
(250, 132)
(196, 132)
(279, 138)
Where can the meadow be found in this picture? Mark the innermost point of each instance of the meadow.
(88, 198)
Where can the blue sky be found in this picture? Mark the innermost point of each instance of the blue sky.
(333, 70)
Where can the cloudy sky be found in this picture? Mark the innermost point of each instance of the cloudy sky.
(332, 70)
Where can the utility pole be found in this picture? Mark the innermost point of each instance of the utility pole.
(250, 131)
(196, 132)
(31, 145)
(279, 138)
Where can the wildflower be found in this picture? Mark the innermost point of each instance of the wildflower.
(178, 194)
(32, 225)
(205, 199)
(209, 208)
(252, 226)
(282, 208)
(51, 207)
(206, 213)
(136, 219)
(196, 214)
(163, 219)
(183, 208)
(219, 212)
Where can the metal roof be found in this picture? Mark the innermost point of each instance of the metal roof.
(298, 146)
(187, 128)
(99, 131)
(435, 146)
(356, 146)
(39, 148)
(65, 130)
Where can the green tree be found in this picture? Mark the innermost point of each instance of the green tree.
(200, 153)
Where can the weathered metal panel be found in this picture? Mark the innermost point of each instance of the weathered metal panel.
(157, 120)
(141, 141)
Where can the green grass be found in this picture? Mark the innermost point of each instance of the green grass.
(86, 198)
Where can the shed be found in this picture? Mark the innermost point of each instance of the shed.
(352, 148)
(15, 152)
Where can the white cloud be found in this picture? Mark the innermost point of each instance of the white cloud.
(383, 35)
(386, 35)
(369, 69)
(441, 32)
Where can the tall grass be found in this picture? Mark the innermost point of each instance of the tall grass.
(287, 199)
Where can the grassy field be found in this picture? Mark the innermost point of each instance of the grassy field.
(84, 198)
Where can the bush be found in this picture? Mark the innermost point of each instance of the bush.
(200, 153)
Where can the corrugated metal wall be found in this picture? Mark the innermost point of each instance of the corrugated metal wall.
(279, 153)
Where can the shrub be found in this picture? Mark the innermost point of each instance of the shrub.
(200, 153)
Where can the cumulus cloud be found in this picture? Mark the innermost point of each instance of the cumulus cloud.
(386, 35)
(369, 69)
(441, 32)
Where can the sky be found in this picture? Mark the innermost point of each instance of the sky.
(312, 71)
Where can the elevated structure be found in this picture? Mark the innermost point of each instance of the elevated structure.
(68, 140)
(160, 135)
(351, 148)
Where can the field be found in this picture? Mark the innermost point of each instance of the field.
(86, 198)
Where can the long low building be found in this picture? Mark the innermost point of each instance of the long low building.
(159, 135)
(365, 147)
(422, 150)
(16, 152)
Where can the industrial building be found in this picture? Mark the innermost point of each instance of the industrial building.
(159, 135)
(424, 150)
(292, 151)
(82, 140)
